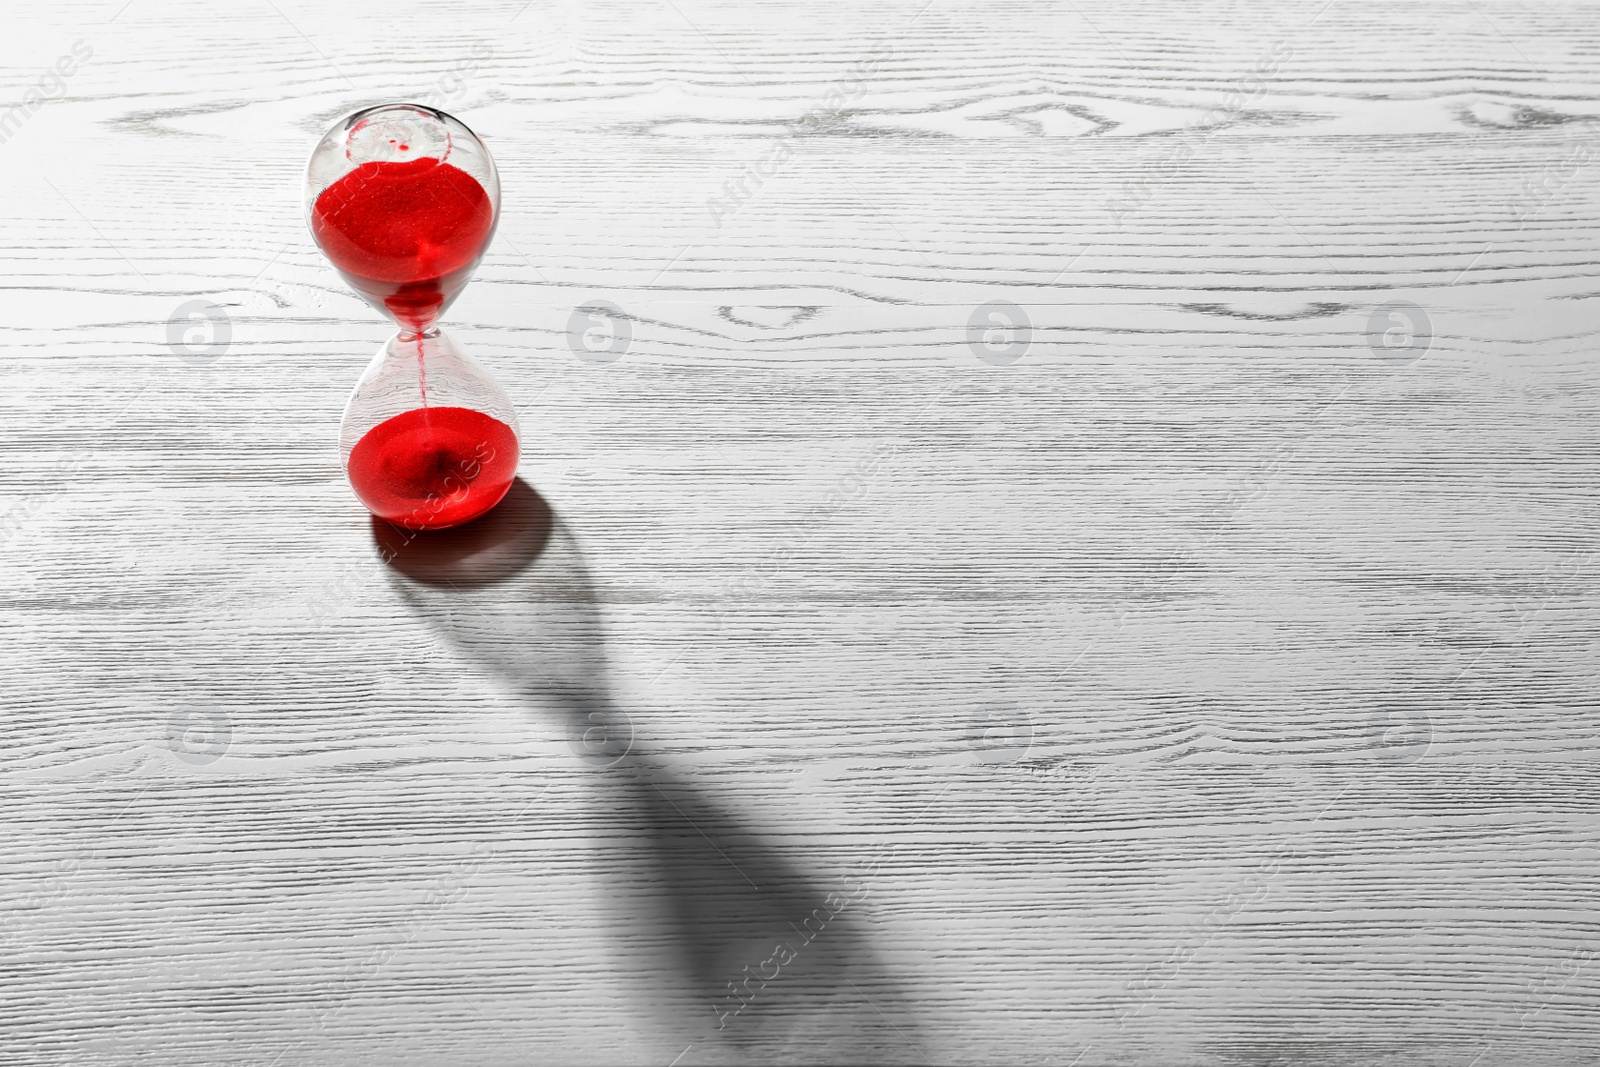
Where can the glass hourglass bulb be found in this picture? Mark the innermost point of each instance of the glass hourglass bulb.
(403, 200)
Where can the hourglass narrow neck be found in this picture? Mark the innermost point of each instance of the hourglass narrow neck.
(428, 334)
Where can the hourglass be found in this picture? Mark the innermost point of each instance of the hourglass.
(403, 201)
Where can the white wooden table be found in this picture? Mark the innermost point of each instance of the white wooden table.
(1203, 674)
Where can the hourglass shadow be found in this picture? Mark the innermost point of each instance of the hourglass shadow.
(776, 961)
(494, 548)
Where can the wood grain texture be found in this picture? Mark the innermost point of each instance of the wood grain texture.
(1203, 687)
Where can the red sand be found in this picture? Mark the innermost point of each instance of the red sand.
(405, 234)
(430, 468)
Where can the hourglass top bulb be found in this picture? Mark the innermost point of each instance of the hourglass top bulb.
(403, 200)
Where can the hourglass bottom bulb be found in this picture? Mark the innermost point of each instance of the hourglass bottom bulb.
(434, 467)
